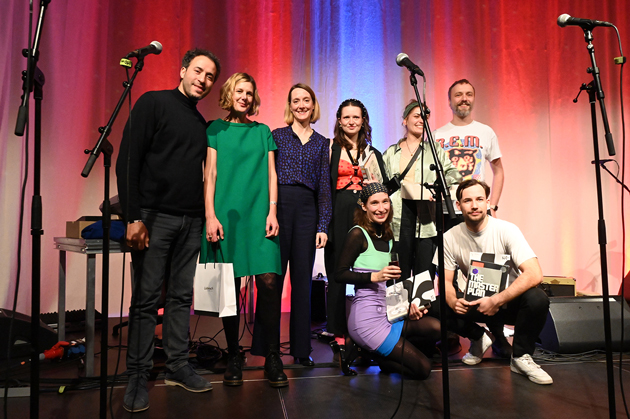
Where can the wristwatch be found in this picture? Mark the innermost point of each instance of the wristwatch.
(494, 207)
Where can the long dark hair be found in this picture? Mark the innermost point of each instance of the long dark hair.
(365, 133)
(361, 219)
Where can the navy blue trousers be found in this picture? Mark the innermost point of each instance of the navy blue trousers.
(297, 217)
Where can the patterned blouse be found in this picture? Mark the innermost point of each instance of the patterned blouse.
(305, 164)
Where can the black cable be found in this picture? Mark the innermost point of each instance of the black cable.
(122, 293)
(210, 339)
(623, 219)
(243, 297)
(402, 356)
(596, 355)
(21, 223)
(18, 271)
(192, 338)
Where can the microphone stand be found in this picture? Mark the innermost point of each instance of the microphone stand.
(623, 185)
(440, 191)
(593, 89)
(588, 37)
(34, 80)
(104, 146)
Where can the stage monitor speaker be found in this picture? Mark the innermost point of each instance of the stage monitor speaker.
(576, 324)
(21, 335)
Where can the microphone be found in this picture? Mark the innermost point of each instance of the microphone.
(153, 48)
(403, 61)
(566, 20)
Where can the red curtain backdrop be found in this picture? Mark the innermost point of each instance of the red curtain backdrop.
(526, 71)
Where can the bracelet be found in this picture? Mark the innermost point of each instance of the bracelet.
(273, 203)
(134, 221)
(494, 207)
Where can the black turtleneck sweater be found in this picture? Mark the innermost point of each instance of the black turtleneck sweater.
(160, 163)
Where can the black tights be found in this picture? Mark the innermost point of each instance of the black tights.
(231, 323)
(267, 312)
(412, 362)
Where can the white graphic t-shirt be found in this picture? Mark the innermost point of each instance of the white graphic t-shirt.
(469, 147)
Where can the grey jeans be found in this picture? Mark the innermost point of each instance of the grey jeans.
(174, 243)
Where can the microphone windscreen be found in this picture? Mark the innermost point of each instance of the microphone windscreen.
(400, 58)
(562, 20)
(158, 46)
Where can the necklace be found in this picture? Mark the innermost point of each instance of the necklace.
(305, 135)
(408, 148)
(378, 236)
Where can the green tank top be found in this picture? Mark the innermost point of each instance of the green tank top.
(372, 259)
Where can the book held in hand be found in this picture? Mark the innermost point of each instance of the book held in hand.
(417, 290)
(485, 279)
(370, 168)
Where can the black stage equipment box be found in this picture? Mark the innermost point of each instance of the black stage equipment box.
(20, 338)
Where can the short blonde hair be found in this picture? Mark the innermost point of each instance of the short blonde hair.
(288, 115)
(225, 97)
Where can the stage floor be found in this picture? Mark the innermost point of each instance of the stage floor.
(488, 390)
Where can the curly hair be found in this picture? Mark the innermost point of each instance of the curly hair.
(196, 52)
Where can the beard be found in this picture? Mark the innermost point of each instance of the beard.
(461, 112)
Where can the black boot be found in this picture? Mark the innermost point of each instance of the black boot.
(345, 355)
(273, 368)
(233, 371)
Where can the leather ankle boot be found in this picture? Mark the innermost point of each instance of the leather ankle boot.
(273, 368)
(233, 371)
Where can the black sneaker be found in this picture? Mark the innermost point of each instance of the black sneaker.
(233, 371)
(187, 378)
(137, 394)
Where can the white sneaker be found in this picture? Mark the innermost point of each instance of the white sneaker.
(477, 349)
(526, 366)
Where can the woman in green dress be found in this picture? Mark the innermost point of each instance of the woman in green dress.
(241, 194)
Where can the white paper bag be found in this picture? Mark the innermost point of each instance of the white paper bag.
(214, 289)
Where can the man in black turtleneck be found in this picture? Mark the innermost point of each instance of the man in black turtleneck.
(160, 184)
